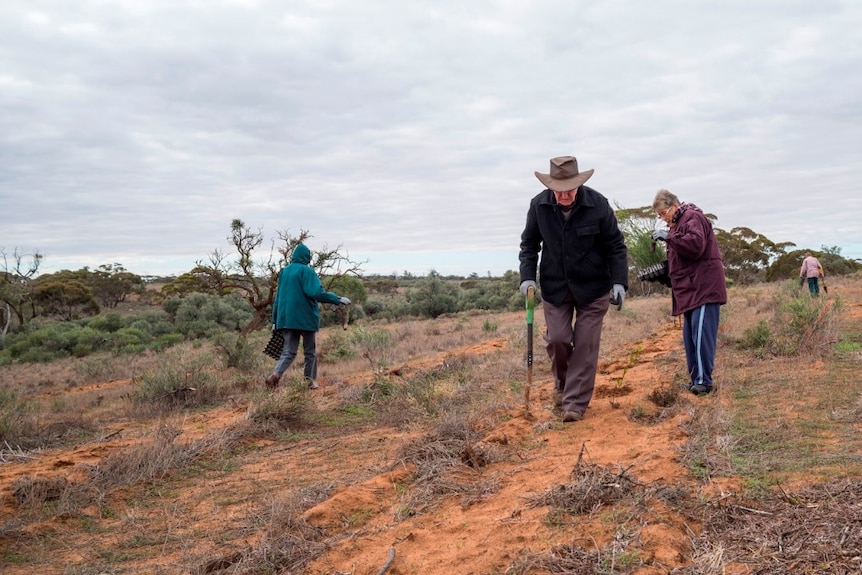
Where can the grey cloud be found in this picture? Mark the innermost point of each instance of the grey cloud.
(399, 128)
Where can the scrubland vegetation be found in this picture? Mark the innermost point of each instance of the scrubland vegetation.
(133, 416)
(437, 388)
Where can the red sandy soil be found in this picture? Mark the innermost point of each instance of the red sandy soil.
(211, 516)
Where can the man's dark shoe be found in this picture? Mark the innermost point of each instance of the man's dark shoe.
(570, 416)
(698, 389)
(272, 381)
(312, 384)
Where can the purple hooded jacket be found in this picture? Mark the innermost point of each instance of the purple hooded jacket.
(694, 261)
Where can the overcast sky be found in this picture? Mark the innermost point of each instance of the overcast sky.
(408, 132)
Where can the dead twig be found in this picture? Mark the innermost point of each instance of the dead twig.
(10, 453)
(110, 435)
(388, 563)
(758, 511)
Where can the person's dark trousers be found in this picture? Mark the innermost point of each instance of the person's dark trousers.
(700, 336)
(574, 349)
(814, 287)
(291, 346)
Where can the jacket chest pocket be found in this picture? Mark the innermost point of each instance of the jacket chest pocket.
(586, 237)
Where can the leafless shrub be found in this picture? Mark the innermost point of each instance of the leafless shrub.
(19, 419)
(591, 487)
(664, 396)
(9, 453)
(448, 460)
(149, 460)
(36, 491)
(613, 558)
(814, 531)
(560, 559)
(481, 490)
(288, 543)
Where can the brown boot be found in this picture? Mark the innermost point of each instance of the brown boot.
(272, 381)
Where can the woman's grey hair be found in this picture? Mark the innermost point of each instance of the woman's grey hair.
(663, 200)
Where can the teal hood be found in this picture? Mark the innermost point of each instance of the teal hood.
(301, 255)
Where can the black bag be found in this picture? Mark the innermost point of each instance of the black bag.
(275, 345)
(655, 273)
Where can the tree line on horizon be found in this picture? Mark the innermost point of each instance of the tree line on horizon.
(250, 273)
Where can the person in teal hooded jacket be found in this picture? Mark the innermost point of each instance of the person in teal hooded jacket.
(295, 313)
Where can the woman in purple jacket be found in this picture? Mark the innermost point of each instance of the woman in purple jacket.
(697, 283)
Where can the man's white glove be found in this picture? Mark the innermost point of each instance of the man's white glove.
(659, 235)
(525, 285)
(618, 295)
(344, 301)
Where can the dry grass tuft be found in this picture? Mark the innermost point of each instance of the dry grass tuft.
(36, 491)
(288, 543)
(449, 460)
(150, 461)
(665, 396)
(707, 451)
(560, 559)
(287, 404)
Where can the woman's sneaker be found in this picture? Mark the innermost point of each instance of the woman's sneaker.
(698, 389)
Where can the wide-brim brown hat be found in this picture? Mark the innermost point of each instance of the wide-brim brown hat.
(564, 174)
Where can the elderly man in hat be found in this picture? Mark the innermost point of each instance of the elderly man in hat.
(584, 258)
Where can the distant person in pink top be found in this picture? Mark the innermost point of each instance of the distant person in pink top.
(813, 271)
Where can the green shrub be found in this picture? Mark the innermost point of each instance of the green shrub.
(433, 297)
(374, 307)
(756, 338)
(181, 380)
(109, 322)
(236, 351)
(166, 340)
(42, 343)
(374, 345)
(202, 315)
(799, 325)
(287, 404)
(336, 347)
(156, 322)
(87, 341)
(129, 340)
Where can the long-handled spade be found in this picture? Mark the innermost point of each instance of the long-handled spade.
(531, 305)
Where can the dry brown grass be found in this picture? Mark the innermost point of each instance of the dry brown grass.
(452, 383)
(815, 530)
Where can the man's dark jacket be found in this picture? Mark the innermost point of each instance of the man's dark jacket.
(584, 255)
